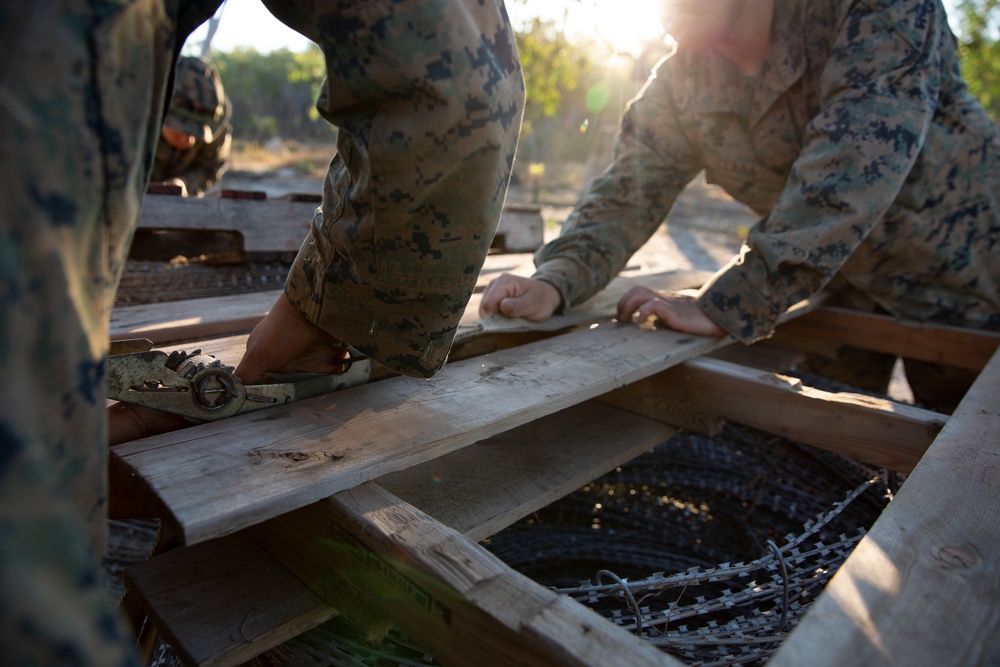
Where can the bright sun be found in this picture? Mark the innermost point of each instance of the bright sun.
(623, 24)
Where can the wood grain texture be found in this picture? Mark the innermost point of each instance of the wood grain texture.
(923, 587)
(205, 318)
(366, 546)
(273, 225)
(212, 616)
(219, 477)
(482, 489)
(191, 319)
(952, 346)
(700, 394)
(280, 225)
(224, 601)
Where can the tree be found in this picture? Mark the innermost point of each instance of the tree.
(979, 49)
(274, 94)
(553, 68)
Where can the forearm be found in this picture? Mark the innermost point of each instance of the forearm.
(626, 204)
(429, 112)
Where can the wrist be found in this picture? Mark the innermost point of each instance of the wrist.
(551, 295)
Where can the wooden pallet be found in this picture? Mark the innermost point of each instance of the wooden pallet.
(330, 500)
(268, 226)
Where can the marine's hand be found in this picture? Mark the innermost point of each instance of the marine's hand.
(286, 342)
(283, 342)
(677, 310)
(517, 296)
(127, 422)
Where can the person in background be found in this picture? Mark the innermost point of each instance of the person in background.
(847, 126)
(427, 97)
(196, 137)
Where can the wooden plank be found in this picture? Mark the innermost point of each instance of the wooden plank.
(191, 319)
(952, 346)
(224, 601)
(482, 489)
(280, 225)
(214, 618)
(923, 587)
(194, 319)
(365, 547)
(701, 393)
(216, 478)
(273, 225)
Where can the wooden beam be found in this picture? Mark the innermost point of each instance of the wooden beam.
(280, 225)
(223, 601)
(923, 587)
(700, 394)
(520, 229)
(482, 489)
(216, 478)
(195, 319)
(951, 346)
(271, 225)
(191, 319)
(366, 548)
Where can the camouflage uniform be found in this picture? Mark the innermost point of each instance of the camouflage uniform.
(201, 109)
(876, 172)
(430, 95)
(395, 250)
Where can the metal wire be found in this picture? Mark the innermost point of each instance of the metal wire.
(688, 538)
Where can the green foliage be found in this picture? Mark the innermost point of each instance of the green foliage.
(552, 67)
(575, 93)
(274, 94)
(979, 49)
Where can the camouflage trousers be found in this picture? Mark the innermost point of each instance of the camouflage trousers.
(82, 87)
(83, 84)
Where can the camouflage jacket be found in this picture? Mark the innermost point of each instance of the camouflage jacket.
(200, 166)
(428, 112)
(858, 143)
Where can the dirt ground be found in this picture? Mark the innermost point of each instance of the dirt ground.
(703, 231)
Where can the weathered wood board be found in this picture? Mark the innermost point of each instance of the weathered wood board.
(205, 318)
(280, 225)
(214, 617)
(271, 225)
(701, 393)
(224, 601)
(217, 478)
(923, 587)
(367, 548)
(929, 558)
(952, 346)
(191, 319)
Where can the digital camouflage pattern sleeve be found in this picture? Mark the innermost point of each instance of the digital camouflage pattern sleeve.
(83, 88)
(429, 112)
(896, 189)
(626, 204)
(859, 144)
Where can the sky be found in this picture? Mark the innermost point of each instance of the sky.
(247, 23)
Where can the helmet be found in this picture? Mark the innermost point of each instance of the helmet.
(199, 106)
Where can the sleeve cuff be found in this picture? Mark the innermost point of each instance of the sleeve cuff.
(733, 301)
(566, 276)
